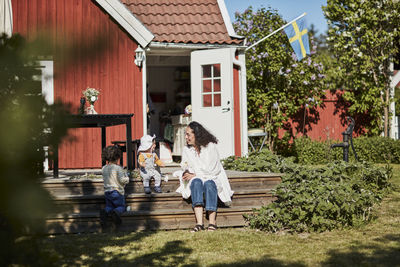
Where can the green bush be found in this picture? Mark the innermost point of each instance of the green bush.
(264, 161)
(318, 199)
(378, 149)
(372, 149)
(307, 151)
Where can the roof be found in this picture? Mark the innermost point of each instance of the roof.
(127, 21)
(183, 21)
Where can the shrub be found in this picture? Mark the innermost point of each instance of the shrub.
(264, 161)
(372, 149)
(378, 149)
(307, 151)
(310, 198)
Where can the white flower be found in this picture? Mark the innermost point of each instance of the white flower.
(91, 94)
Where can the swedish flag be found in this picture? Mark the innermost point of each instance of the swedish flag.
(298, 37)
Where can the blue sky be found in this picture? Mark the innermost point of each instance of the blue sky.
(288, 9)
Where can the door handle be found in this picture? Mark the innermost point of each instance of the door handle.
(226, 109)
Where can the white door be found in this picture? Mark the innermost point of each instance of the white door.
(212, 95)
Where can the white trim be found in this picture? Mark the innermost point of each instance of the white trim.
(6, 17)
(395, 79)
(144, 92)
(227, 19)
(47, 78)
(241, 62)
(127, 20)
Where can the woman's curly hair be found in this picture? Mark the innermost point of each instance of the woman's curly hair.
(202, 137)
(111, 153)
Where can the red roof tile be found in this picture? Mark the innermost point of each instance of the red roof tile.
(182, 21)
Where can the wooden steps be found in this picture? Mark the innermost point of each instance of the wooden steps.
(79, 201)
(142, 201)
(166, 219)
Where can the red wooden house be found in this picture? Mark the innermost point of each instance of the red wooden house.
(191, 55)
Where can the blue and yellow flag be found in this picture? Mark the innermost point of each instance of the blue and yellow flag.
(298, 37)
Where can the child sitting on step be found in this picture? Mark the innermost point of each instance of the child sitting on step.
(147, 162)
(115, 179)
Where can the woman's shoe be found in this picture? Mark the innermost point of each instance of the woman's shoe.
(212, 227)
(197, 228)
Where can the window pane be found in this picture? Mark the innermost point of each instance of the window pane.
(207, 101)
(217, 100)
(217, 70)
(217, 85)
(206, 86)
(206, 70)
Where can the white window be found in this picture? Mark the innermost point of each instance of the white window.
(211, 85)
(47, 80)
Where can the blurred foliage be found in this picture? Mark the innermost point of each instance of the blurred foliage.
(362, 37)
(279, 88)
(28, 124)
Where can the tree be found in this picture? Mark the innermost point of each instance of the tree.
(24, 115)
(361, 35)
(279, 88)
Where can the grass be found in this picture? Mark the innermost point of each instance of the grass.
(375, 244)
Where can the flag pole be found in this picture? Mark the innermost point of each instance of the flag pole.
(259, 41)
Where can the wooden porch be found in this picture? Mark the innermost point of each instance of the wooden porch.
(78, 195)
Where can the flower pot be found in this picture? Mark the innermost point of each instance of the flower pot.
(91, 110)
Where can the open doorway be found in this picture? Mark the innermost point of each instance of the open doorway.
(169, 97)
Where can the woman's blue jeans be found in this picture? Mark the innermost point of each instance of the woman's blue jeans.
(204, 191)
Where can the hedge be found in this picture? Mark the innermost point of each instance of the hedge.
(371, 149)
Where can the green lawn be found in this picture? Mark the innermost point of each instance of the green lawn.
(377, 244)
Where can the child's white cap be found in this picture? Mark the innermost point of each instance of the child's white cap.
(146, 142)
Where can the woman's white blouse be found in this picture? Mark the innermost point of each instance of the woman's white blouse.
(206, 166)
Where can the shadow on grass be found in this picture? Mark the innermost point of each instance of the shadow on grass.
(173, 253)
(379, 253)
(265, 261)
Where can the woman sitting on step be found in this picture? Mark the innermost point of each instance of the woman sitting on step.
(203, 177)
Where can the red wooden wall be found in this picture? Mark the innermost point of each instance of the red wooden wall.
(331, 121)
(89, 50)
(326, 122)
